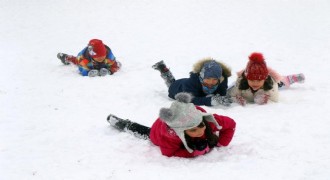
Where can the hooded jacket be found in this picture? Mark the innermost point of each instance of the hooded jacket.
(86, 64)
(193, 85)
(171, 145)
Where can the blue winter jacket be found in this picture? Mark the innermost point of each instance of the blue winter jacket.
(192, 85)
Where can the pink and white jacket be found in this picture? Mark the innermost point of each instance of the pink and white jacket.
(249, 95)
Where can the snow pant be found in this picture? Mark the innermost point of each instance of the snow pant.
(138, 130)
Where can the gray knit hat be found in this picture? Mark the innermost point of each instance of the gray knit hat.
(183, 115)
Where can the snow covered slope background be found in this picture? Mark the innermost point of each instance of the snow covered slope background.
(53, 121)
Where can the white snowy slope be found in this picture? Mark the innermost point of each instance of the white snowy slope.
(53, 120)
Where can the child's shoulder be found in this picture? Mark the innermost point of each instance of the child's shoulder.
(275, 75)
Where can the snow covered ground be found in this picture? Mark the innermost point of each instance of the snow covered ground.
(53, 121)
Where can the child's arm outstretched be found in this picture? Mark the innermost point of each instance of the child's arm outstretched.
(228, 129)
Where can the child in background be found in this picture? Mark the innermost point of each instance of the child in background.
(208, 82)
(94, 60)
(259, 83)
(183, 129)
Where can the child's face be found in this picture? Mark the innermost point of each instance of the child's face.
(99, 59)
(256, 84)
(210, 82)
(196, 131)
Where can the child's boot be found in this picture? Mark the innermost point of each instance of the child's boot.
(160, 66)
(118, 123)
(62, 57)
(165, 73)
(294, 78)
(66, 59)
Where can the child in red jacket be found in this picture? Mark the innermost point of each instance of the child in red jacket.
(183, 129)
(96, 59)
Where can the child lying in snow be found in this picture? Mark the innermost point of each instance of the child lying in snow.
(259, 83)
(208, 82)
(94, 60)
(183, 130)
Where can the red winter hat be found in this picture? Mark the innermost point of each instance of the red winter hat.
(96, 48)
(256, 68)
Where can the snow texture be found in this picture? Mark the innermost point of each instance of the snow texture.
(53, 121)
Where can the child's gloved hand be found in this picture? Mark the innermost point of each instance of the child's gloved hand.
(104, 72)
(93, 73)
(240, 100)
(201, 152)
(223, 100)
(261, 99)
(200, 147)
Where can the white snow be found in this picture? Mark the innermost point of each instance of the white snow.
(53, 121)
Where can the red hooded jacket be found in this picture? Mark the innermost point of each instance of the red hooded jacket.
(171, 145)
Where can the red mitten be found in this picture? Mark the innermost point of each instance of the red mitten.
(240, 100)
(202, 152)
(261, 99)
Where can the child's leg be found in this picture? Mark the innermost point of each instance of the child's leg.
(66, 59)
(139, 130)
(286, 81)
(136, 129)
(165, 73)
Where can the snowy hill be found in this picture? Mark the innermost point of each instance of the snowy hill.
(53, 121)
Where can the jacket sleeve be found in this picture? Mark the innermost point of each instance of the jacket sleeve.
(228, 129)
(82, 62)
(113, 66)
(169, 143)
(175, 148)
(83, 68)
(274, 95)
(192, 86)
(200, 101)
(111, 62)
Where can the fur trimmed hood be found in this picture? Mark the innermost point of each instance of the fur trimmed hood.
(226, 71)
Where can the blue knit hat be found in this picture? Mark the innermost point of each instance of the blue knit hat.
(211, 69)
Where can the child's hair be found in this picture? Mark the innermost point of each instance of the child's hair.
(243, 84)
(211, 139)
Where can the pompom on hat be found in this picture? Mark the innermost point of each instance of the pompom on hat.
(183, 115)
(211, 69)
(256, 69)
(96, 48)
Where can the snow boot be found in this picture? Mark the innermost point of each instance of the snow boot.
(290, 79)
(133, 128)
(160, 66)
(63, 57)
(118, 123)
(67, 59)
(165, 73)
